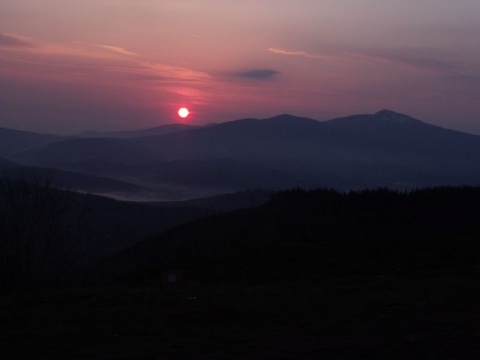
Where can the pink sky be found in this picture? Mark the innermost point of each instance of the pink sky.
(69, 66)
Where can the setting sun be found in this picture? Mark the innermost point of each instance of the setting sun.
(183, 112)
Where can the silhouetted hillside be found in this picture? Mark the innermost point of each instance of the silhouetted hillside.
(155, 131)
(76, 181)
(47, 233)
(363, 275)
(369, 231)
(223, 174)
(224, 202)
(90, 149)
(5, 164)
(385, 149)
(14, 141)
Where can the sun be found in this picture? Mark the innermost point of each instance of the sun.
(183, 112)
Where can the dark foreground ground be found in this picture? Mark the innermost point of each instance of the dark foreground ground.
(331, 308)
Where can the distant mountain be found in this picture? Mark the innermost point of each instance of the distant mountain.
(90, 149)
(154, 131)
(75, 181)
(383, 149)
(14, 141)
(5, 164)
(64, 179)
(223, 174)
(224, 202)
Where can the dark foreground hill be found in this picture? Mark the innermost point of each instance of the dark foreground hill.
(432, 221)
(47, 234)
(309, 275)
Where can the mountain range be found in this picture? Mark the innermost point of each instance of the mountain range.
(391, 272)
(172, 162)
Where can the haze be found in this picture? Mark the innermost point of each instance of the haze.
(68, 66)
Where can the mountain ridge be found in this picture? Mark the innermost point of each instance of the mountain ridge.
(13, 141)
(368, 150)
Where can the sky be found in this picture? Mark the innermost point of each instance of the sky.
(67, 66)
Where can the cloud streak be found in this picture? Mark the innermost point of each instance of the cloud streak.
(80, 57)
(300, 53)
(260, 74)
(428, 64)
(424, 64)
(82, 81)
(111, 48)
(15, 41)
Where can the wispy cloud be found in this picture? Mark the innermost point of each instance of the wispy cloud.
(78, 49)
(86, 64)
(418, 63)
(427, 64)
(301, 53)
(110, 48)
(261, 74)
(167, 72)
(99, 58)
(15, 41)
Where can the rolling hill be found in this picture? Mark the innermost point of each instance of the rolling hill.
(383, 149)
(14, 141)
(154, 131)
(372, 231)
(76, 181)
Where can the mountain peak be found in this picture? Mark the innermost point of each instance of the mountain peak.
(290, 118)
(389, 115)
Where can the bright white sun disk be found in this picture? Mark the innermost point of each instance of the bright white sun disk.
(183, 112)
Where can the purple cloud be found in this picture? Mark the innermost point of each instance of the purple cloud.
(261, 74)
(14, 41)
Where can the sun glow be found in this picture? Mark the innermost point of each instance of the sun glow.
(183, 112)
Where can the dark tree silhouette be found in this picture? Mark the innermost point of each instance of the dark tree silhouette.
(40, 232)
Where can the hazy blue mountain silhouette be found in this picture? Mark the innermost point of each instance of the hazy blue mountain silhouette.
(383, 149)
(5, 164)
(182, 179)
(14, 141)
(154, 131)
(90, 149)
(75, 181)
(224, 173)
